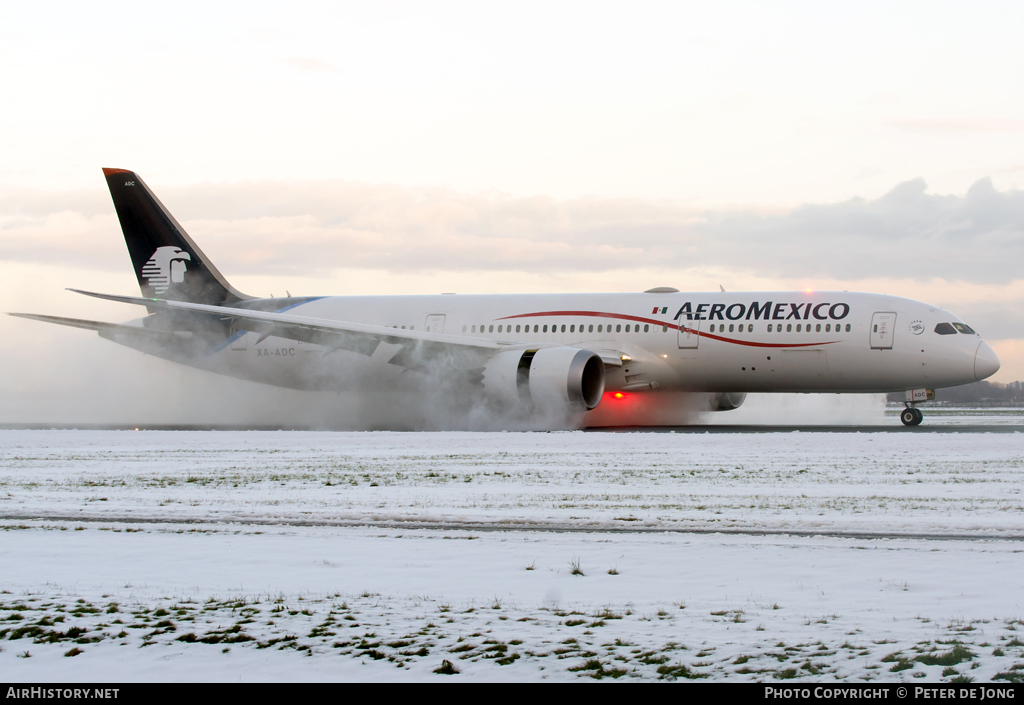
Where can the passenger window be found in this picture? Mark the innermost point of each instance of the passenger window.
(490, 329)
(600, 328)
(750, 328)
(535, 328)
(712, 327)
(847, 327)
(572, 329)
(563, 327)
(647, 328)
(545, 329)
(945, 329)
(789, 327)
(967, 330)
(499, 329)
(769, 327)
(817, 328)
(618, 328)
(731, 327)
(591, 328)
(828, 327)
(797, 327)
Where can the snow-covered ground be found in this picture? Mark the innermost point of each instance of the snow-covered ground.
(298, 556)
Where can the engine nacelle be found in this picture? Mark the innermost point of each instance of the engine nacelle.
(549, 377)
(727, 401)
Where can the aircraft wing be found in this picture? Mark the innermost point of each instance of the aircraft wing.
(418, 347)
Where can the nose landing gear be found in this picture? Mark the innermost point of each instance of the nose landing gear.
(911, 416)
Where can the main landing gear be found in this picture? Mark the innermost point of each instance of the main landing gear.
(911, 416)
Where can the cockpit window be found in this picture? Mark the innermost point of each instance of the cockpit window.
(964, 329)
(945, 329)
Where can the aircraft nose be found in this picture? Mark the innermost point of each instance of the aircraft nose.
(986, 363)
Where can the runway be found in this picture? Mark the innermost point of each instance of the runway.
(480, 527)
(896, 427)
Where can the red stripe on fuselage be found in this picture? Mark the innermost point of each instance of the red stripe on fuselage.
(712, 336)
(593, 314)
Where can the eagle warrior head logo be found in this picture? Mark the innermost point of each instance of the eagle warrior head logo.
(165, 267)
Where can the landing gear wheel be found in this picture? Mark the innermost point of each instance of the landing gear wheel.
(911, 416)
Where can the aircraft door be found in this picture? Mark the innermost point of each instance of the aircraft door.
(435, 323)
(689, 333)
(883, 326)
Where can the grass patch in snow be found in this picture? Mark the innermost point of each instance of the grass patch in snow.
(958, 654)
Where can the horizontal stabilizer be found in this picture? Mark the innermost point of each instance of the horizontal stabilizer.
(137, 337)
(73, 322)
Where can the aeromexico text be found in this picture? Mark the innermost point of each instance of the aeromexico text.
(768, 311)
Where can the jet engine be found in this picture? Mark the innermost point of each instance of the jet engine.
(727, 401)
(547, 378)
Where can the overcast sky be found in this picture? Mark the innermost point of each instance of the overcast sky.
(422, 147)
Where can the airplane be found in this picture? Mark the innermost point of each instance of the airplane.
(531, 354)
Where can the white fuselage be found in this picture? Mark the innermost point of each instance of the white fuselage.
(693, 342)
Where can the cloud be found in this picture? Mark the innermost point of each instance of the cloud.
(907, 233)
(288, 227)
(311, 229)
(960, 125)
(309, 63)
